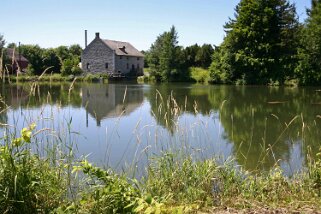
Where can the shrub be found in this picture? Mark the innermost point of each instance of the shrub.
(199, 74)
(28, 184)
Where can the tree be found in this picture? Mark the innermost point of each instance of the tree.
(34, 54)
(309, 68)
(190, 54)
(203, 56)
(12, 45)
(50, 59)
(62, 53)
(70, 66)
(164, 56)
(75, 50)
(260, 43)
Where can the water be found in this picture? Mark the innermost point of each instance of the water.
(123, 125)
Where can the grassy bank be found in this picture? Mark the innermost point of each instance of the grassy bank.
(57, 78)
(174, 182)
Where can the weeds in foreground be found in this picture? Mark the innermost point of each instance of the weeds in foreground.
(28, 183)
(173, 183)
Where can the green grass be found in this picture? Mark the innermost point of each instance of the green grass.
(174, 182)
(57, 78)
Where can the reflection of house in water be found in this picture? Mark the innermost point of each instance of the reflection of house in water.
(106, 100)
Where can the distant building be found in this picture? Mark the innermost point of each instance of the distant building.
(16, 61)
(112, 57)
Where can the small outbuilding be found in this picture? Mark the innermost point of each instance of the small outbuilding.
(16, 62)
(113, 57)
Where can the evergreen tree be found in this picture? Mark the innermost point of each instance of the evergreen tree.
(204, 55)
(164, 56)
(309, 68)
(260, 44)
(50, 59)
(189, 54)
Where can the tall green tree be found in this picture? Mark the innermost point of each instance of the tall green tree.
(62, 53)
(260, 43)
(75, 50)
(190, 54)
(164, 56)
(203, 56)
(309, 68)
(34, 55)
(51, 59)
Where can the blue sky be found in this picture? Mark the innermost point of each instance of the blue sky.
(51, 23)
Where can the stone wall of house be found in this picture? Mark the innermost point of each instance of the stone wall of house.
(129, 65)
(98, 57)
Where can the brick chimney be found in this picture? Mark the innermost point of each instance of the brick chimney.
(97, 35)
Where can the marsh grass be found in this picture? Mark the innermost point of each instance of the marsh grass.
(43, 175)
(29, 183)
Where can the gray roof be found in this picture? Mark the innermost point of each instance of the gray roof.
(123, 48)
(10, 55)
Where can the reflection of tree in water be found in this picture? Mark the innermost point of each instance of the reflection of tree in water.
(255, 119)
(3, 113)
(55, 93)
(110, 100)
(168, 101)
(27, 95)
(11, 96)
(35, 95)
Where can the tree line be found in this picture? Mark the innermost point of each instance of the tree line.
(264, 44)
(63, 59)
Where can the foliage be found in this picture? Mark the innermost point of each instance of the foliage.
(200, 75)
(260, 45)
(50, 59)
(167, 61)
(164, 57)
(198, 56)
(34, 55)
(70, 66)
(220, 69)
(309, 68)
(110, 193)
(28, 184)
(182, 180)
(62, 59)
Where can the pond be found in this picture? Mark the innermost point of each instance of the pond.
(124, 124)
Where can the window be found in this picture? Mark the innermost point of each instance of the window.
(127, 66)
(87, 65)
(120, 57)
(137, 66)
(106, 65)
(137, 58)
(127, 58)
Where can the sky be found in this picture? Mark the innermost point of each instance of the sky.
(51, 23)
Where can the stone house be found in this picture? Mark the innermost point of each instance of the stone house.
(113, 57)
